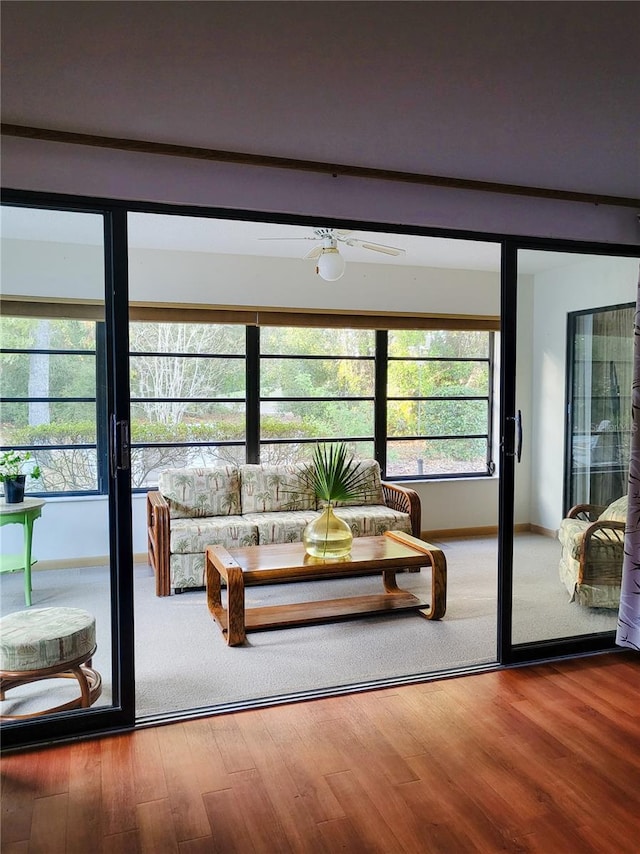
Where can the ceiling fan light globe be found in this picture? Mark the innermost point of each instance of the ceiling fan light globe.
(330, 265)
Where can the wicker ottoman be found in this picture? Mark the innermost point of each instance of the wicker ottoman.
(49, 643)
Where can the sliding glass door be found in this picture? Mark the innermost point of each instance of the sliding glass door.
(571, 444)
(62, 411)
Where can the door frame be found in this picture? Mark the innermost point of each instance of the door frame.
(121, 716)
(557, 648)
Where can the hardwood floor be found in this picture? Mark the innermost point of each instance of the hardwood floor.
(537, 759)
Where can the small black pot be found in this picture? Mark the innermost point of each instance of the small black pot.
(14, 489)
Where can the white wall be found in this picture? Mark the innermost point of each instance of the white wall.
(75, 530)
(591, 282)
(168, 276)
(198, 278)
(72, 271)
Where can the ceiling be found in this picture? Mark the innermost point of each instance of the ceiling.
(537, 93)
(263, 239)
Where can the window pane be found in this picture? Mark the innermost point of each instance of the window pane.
(324, 419)
(432, 343)
(300, 341)
(57, 424)
(292, 452)
(436, 457)
(148, 462)
(437, 379)
(437, 417)
(317, 378)
(66, 470)
(47, 375)
(34, 333)
(176, 386)
(193, 377)
(186, 338)
(166, 421)
(38, 376)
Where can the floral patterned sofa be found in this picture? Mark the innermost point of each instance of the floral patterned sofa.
(592, 539)
(251, 505)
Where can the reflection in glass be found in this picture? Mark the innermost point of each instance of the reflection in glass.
(600, 380)
(573, 382)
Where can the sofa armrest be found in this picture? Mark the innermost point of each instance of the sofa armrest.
(586, 512)
(602, 553)
(404, 500)
(158, 538)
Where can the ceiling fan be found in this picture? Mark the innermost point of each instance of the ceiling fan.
(331, 264)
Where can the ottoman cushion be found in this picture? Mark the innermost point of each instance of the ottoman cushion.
(45, 637)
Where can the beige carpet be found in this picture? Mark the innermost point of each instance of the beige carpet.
(183, 663)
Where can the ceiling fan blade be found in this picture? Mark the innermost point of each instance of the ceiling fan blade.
(316, 252)
(286, 238)
(380, 247)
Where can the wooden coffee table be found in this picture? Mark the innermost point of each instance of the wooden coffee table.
(390, 553)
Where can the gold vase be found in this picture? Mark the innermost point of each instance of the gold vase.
(327, 536)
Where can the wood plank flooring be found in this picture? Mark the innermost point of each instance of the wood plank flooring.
(537, 759)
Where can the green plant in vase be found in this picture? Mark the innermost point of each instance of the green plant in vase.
(334, 476)
(13, 476)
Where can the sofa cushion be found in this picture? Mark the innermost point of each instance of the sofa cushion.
(371, 521)
(370, 491)
(200, 492)
(284, 526)
(271, 488)
(616, 511)
(190, 536)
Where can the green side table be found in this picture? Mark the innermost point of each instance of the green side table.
(24, 513)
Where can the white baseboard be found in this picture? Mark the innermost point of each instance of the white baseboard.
(79, 562)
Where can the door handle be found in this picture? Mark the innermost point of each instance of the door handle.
(120, 446)
(517, 451)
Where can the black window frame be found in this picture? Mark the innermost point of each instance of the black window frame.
(254, 441)
(101, 445)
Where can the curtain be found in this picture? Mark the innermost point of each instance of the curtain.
(628, 632)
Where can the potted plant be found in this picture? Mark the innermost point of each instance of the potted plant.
(334, 476)
(12, 475)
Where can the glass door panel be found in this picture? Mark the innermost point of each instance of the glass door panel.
(600, 377)
(573, 377)
(53, 370)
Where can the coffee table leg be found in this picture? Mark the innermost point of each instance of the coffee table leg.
(438, 564)
(438, 585)
(236, 634)
(212, 581)
(389, 580)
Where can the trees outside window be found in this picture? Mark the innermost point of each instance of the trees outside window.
(211, 393)
(48, 375)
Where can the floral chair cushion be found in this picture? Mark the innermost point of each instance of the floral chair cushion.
(272, 488)
(199, 492)
(603, 545)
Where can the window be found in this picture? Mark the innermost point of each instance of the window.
(315, 385)
(188, 397)
(206, 393)
(49, 373)
(439, 402)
